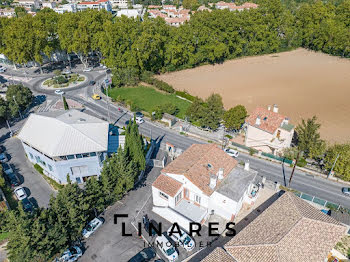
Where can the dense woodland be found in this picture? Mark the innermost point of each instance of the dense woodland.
(151, 45)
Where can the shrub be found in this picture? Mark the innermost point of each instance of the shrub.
(252, 151)
(39, 169)
(60, 80)
(228, 136)
(148, 78)
(302, 162)
(185, 95)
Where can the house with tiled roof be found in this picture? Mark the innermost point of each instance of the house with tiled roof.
(268, 131)
(290, 230)
(98, 5)
(202, 181)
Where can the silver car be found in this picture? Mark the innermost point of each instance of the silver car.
(346, 191)
(71, 254)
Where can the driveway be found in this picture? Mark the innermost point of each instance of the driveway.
(37, 188)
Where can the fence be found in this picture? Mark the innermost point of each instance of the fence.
(321, 202)
(282, 159)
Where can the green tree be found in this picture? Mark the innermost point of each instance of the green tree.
(19, 98)
(4, 109)
(342, 166)
(134, 146)
(234, 118)
(309, 139)
(196, 110)
(20, 11)
(213, 111)
(190, 4)
(94, 194)
(2, 179)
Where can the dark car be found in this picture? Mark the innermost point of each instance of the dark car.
(144, 255)
(27, 205)
(146, 223)
(2, 149)
(138, 114)
(92, 82)
(12, 179)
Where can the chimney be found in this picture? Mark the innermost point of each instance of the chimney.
(246, 166)
(221, 173)
(269, 107)
(258, 121)
(275, 108)
(286, 120)
(212, 183)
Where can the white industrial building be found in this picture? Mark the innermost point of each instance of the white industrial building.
(69, 143)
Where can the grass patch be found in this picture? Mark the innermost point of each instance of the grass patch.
(4, 235)
(52, 182)
(147, 98)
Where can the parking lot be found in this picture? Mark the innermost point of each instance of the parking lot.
(37, 189)
(108, 244)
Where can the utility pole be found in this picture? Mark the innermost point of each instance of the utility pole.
(335, 161)
(8, 124)
(291, 175)
(19, 110)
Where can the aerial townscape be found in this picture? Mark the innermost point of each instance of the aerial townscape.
(163, 130)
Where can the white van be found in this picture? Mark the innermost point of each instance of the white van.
(167, 248)
(183, 240)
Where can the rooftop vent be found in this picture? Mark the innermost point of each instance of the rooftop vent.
(212, 183)
(209, 166)
(258, 121)
(275, 108)
(221, 173)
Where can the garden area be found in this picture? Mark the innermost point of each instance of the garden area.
(148, 99)
(63, 80)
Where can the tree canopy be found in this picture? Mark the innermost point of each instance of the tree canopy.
(234, 118)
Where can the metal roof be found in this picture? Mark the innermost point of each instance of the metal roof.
(63, 133)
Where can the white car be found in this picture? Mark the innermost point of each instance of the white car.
(103, 66)
(139, 120)
(183, 239)
(92, 227)
(71, 254)
(167, 248)
(59, 92)
(20, 193)
(2, 69)
(66, 71)
(87, 69)
(231, 152)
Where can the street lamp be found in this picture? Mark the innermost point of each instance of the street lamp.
(19, 110)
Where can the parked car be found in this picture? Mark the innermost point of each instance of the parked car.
(2, 149)
(138, 114)
(96, 97)
(27, 205)
(20, 193)
(12, 179)
(3, 158)
(346, 191)
(231, 152)
(103, 66)
(2, 69)
(166, 247)
(92, 82)
(71, 254)
(59, 92)
(7, 168)
(139, 120)
(146, 223)
(182, 239)
(144, 255)
(87, 69)
(66, 71)
(92, 227)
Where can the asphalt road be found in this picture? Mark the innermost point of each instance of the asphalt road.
(313, 185)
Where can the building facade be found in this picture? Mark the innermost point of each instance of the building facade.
(268, 131)
(68, 144)
(202, 181)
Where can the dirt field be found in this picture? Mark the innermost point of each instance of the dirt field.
(302, 83)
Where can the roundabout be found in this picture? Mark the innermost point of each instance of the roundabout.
(64, 81)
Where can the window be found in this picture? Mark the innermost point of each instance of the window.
(93, 154)
(78, 180)
(85, 155)
(163, 195)
(70, 157)
(37, 158)
(178, 197)
(31, 155)
(50, 167)
(197, 199)
(79, 156)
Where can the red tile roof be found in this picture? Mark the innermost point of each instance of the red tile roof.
(270, 120)
(167, 185)
(193, 164)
